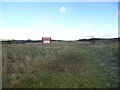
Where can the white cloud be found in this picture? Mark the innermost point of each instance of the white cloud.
(52, 30)
(42, 27)
(62, 9)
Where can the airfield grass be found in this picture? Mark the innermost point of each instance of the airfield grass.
(65, 65)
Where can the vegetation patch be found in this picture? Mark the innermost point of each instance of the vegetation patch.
(65, 65)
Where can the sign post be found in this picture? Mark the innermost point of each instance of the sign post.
(46, 48)
(46, 40)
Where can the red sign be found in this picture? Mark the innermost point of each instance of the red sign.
(46, 40)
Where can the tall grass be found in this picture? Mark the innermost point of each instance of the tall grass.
(66, 65)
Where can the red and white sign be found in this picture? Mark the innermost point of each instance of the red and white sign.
(46, 40)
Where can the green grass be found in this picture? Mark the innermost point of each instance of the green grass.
(66, 65)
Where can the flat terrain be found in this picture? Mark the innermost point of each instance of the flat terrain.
(65, 65)
(0, 66)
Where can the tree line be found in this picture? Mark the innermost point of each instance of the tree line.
(92, 40)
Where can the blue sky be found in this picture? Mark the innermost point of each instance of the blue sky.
(59, 20)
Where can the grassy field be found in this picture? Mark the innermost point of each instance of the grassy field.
(65, 65)
(0, 66)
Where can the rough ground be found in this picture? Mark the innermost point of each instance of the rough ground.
(0, 66)
(66, 65)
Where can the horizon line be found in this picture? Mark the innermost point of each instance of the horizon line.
(65, 39)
